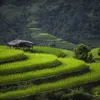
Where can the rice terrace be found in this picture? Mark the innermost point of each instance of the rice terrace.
(49, 49)
(24, 74)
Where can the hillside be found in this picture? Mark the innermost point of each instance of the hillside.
(76, 21)
(27, 76)
(45, 62)
(22, 21)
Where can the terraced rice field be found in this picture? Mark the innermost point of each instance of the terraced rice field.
(11, 55)
(39, 36)
(39, 68)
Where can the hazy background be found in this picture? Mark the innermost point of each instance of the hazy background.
(75, 21)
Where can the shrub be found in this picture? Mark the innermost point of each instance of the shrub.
(77, 95)
(90, 58)
(96, 97)
(99, 51)
(82, 53)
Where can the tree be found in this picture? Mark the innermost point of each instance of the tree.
(99, 51)
(90, 58)
(82, 53)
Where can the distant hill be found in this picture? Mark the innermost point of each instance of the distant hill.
(76, 21)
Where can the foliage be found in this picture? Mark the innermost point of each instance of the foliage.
(71, 23)
(96, 98)
(95, 54)
(77, 95)
(96, 90)
(99, 51)
(90, 58)
(82, 53)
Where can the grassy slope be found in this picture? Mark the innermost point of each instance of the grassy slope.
(65, 83)
(55, 51)
(7, 55)
(32, 63)
(68, 65)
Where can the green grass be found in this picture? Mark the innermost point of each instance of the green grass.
(8, 55)
(3, 47)
(66, 67)
(94, 75)
(34, 61)
(68, 53)
(95, 54)
(49, 50)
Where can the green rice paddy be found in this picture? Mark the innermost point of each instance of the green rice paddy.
(7, 55)
(55, 51)
(43, 63)
(34, 61)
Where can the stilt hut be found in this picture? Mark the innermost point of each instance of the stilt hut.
(21, 44)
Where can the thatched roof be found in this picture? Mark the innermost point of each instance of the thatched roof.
(17, 41)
